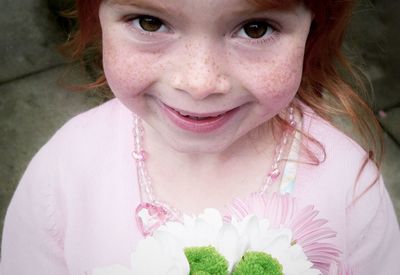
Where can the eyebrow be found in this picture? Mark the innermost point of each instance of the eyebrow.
(253, 6)
(145, 4)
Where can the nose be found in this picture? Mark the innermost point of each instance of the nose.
(199, 71)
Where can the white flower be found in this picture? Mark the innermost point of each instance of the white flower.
(207, 229)
(277, 243)
(160, 254)
(163, 253)
(308, 230)
(154, 255)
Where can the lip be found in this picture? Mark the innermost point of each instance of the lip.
(205, 122)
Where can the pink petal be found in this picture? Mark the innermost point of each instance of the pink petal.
(309, 231)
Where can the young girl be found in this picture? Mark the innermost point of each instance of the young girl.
(220, 104)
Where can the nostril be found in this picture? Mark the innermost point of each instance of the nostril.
(200, 86)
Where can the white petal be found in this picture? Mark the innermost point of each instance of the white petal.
(278, 243)
(294, 261)
(174, 228)
(169, 243)
(250, 227)
(200, 235)
(148, 259)
(188, 221)
(264, 224)
(228, 245)
(177, 267)
(212, 217)
(275, 240)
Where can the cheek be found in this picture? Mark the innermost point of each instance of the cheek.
(274, 83)
(281, 85)
(128, 71)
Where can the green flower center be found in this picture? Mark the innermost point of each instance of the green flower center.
(258, 263)
(206, 261)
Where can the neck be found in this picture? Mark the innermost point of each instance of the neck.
(257, 144)
(212, 180)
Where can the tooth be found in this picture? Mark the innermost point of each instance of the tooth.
(193, 117)
(183, 113)
(218, 115)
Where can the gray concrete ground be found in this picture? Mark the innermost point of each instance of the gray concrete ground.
(33, 104)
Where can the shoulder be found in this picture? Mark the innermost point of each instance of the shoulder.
(340, 155)
(345, 164)
(83, 176)
(336, 143)
(105, 116)
(87, 145)
(90, 130)
(344, 171)
(76, 166)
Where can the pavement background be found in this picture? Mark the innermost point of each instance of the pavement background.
(34, 103)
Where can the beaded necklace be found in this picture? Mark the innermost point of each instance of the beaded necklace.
(151, 212)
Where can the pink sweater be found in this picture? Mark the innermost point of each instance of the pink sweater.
(74, 207)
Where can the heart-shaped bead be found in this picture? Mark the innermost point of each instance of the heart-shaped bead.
(150, 216)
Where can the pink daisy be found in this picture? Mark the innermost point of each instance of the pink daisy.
(309, 232)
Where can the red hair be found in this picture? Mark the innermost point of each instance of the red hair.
(330, 85)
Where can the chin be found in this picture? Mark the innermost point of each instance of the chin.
(198, 147)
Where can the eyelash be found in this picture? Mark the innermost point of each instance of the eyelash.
(264, 39)
(131, 18)
(258, 41)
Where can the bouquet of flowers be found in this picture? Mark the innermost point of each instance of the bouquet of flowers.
(261, 236)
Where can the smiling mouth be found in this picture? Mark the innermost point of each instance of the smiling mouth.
(199, 117)
(198, 123)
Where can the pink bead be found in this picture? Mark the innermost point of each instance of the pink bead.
(139, 155)
(274, 174)
(149, 217)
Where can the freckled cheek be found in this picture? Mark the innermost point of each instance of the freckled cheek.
(275, 82)
(128, 72)
(280, 85)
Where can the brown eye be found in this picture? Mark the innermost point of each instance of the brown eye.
(256, 29)
(150, 23)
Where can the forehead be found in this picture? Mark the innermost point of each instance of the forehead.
(251, 5)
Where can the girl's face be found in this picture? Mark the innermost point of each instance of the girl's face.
(203, 74)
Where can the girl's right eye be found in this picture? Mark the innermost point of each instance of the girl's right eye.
(256, 29)
(149, 23)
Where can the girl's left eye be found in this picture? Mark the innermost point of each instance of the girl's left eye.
(256, 30)
(149, 23)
